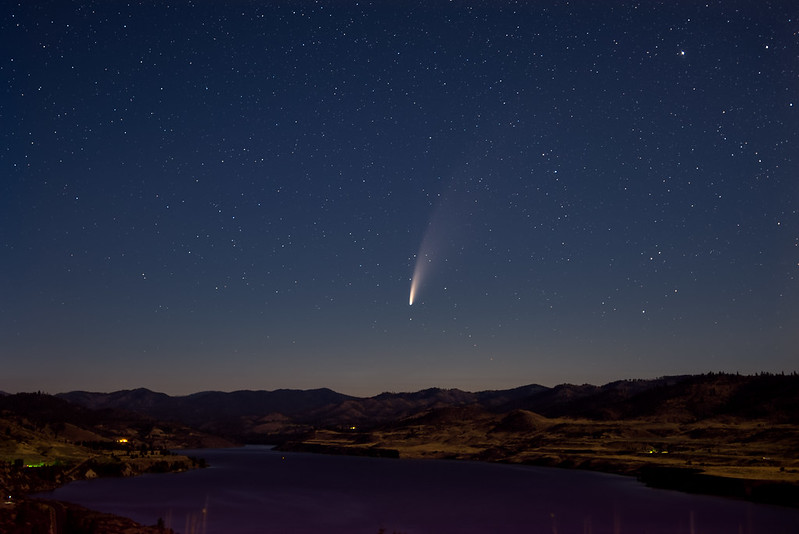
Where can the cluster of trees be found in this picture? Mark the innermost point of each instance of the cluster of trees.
(761, 373)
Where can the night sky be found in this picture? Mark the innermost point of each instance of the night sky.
(235, 195)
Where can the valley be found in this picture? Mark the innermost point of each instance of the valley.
(721, 434)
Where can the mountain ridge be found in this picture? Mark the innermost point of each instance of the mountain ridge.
(679, 398)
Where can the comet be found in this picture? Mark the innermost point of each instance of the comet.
(437, 240)
(423, 258)
(417, 277)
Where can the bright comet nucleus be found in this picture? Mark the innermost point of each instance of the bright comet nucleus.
(413, 291)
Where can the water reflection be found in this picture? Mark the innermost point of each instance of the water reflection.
(255, 490)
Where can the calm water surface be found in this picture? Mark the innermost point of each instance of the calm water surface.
(257, 490)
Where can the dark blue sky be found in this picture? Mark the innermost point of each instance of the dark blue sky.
(233, 195)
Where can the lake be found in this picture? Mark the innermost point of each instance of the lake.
(259, 490)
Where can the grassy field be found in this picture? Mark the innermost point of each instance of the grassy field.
(754, 450)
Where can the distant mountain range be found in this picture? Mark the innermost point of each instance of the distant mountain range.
(198, 408)
(245, 414)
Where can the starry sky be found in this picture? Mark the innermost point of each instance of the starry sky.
(236, 195)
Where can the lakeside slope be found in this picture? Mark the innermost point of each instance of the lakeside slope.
(46, 442)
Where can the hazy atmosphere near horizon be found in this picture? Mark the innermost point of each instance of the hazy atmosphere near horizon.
(391, 196)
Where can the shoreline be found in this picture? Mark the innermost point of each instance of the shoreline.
(23, 512)
(687, 479)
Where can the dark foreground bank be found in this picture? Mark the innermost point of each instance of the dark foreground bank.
(34, 516)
